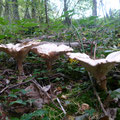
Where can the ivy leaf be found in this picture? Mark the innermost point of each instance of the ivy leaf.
(12, 95)
(19, 101)
(34, 114)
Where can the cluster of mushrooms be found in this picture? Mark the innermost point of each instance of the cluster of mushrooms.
(50, 52)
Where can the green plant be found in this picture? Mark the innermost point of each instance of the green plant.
(37, 115)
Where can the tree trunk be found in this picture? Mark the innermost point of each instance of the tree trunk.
(33, 12)
(46, 11)
(110, 13)
(15, 10)
(27, 14)
(1, 7)
(7, 11)
(119, 8)
(94, 9)
(67, 19)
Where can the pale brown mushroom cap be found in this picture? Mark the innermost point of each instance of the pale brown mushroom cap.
(99, 67)
(51, 50)
(89, 63)
(18, 50)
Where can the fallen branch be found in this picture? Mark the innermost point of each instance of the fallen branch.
(38, 86)
(13, 86)
(41, 89)
(61, 106)
(98, 98)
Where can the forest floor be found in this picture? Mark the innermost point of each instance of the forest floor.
(67, 91)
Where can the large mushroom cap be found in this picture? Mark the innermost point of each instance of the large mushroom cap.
(18, 51)
(99, 67)
(47, 49)
(50, 52)
(114, 57)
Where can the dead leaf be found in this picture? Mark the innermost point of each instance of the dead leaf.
(46, 88)
(112, 112)
(37, 95)
(83, 117)
(84, 107)
(64, 97)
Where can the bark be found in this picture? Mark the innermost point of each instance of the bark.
(15, 10)
(27, 14)
(7, 10)
(46, 11)
(94, 9)
(67, 19)
(110, 13)
(119, 9)
(102, 5)
(1, 7)
(33, 12)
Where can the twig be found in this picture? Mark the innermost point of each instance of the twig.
(40, 88)
(4, 89)
(11, 87)
(95, 92)
(61, 106)
(95, 50)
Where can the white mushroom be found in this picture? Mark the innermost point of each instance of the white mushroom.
(18, 51)
(50, 52)
(99, 67)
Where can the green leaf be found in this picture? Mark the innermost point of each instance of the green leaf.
(36, 113)
(19, 101)
(90, 112)
(15, 90)
(14, 118)
(59, 69)
(23, 91)
(12, 95)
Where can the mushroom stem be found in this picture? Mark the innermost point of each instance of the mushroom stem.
(20, 67)
(49, 65)
(102, 83)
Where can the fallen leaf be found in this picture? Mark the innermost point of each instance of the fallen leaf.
(64, 97)
(84, 107)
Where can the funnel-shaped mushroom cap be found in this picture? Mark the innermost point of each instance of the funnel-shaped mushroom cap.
(51, 50)
(114, 57)
(18, 51)
(98, 68)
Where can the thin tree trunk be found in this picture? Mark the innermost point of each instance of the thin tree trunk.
(102, 5)
(33, 12)
(110, 13)
(1, 7)
(94, 9)
(7, 10)
(15, 10)
(27, 14)
(46, 11)
(119, 9)
(67, 19)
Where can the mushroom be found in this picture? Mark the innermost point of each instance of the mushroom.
(98, 67)
(50, 52)
(18, 51)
